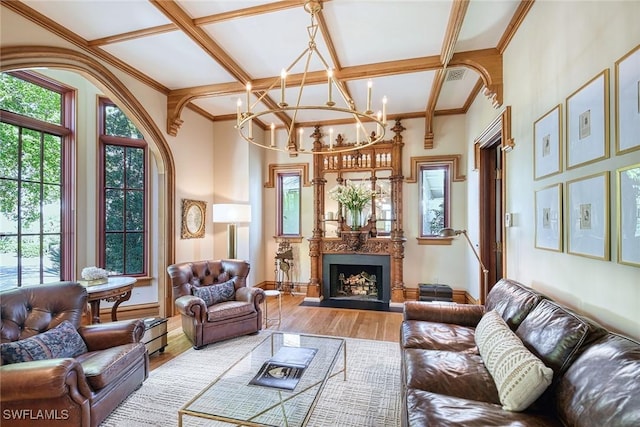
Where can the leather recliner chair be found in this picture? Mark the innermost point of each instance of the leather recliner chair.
(67, 391)
(206, 322)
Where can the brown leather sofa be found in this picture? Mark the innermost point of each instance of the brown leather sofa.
(596, 373)
(205, 324)
(69, 391)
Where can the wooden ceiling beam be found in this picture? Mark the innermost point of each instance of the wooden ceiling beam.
(178, 16)
(456, 19)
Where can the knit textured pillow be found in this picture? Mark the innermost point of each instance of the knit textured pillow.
(61, 341)
(215, 294)
(519, 375)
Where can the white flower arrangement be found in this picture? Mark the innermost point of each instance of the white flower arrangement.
(94, 273)
(352, 196)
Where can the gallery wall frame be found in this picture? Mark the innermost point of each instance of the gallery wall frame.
(547, 146)
(548, 206)
(628, 208)
(587, 216)
(588, 122)
(627, 102)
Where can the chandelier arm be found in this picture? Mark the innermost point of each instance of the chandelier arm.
(304, 78)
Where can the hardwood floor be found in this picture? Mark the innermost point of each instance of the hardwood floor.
(364, 324)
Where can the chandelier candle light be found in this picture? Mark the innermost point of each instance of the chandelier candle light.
(245, 118)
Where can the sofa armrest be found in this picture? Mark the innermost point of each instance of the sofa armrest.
(192, 306)
(457, 314)
(43, 379)
(106, 335)
(252, 295)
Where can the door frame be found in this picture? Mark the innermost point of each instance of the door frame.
(498, 131)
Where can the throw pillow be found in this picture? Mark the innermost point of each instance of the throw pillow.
(519, 375)
(61, 341)
(215, 294)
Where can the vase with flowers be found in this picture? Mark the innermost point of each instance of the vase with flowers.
(353, 197)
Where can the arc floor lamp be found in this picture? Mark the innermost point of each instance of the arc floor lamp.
(450, 232)
(231, 214)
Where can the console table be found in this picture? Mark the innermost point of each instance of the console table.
(116, 290)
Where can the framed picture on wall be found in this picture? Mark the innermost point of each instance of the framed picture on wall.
(547, 139)
(628, 102)
(588, 122)
(628, 203)
(588, 216)
(548, 206)
(194, 214)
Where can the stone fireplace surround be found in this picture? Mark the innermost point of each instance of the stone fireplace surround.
(354, 263)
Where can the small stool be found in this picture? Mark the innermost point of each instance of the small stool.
(272, 293)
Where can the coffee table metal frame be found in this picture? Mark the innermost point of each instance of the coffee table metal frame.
(233, 383)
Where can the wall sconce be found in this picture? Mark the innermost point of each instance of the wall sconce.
(231, 214)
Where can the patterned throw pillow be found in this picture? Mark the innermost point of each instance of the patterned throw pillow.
(61, 341)
(520, 376)
(216, 293)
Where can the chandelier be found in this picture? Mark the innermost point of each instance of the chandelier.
(245, 117)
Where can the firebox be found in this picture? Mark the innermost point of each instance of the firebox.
(356, 281)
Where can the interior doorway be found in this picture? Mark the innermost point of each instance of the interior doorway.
(491, 149)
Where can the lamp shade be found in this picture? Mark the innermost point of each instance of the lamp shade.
(227, 213)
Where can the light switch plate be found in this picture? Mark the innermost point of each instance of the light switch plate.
(507, 219)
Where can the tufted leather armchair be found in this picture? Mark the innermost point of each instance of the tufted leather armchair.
(204, 324)
(80, 391)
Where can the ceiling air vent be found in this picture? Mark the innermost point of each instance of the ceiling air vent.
(455, 74)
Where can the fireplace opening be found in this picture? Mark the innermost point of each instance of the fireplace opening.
(362, 282)
(356, 281)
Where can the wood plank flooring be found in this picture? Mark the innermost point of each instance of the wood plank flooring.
(364, 324)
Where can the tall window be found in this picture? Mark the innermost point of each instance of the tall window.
(34, 194)
(123, 178)
(288, 193)
(434, 199)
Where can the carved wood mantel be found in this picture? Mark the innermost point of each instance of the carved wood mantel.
(393, 245)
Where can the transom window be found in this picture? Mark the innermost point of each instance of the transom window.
(123, 181)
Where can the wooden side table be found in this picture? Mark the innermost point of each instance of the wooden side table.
(116, 290)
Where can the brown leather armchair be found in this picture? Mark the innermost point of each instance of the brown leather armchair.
(205, 323)
(69, 391)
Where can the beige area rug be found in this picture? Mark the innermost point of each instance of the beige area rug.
(369, 397)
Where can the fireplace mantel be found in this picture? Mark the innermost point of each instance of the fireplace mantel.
(371, 244)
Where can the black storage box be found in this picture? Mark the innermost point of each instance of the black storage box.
(434, 292)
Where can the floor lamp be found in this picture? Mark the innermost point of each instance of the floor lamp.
(231, 214)
(450, 232)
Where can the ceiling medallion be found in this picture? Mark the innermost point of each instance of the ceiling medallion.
(245, 118)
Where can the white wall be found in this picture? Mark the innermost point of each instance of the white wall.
(559, 47)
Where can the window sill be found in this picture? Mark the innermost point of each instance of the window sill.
(294, 239)
(434, 240)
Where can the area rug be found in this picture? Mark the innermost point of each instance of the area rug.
(369, 397)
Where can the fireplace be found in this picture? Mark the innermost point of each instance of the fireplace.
(356, 281)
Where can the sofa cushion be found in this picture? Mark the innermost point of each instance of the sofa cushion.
(448, 372)
(513, 301)
(556, 335)
(61, 341)
(229, 309)
(215, 294)
(601, 387)
(438, 336)
(102, 367)
(520, 377)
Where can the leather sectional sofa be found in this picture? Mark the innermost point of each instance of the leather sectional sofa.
(445, 381)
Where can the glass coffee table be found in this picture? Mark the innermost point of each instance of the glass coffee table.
(231, 399)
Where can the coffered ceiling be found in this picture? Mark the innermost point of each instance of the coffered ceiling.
(428, 57)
